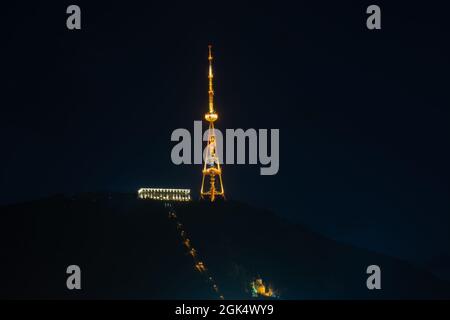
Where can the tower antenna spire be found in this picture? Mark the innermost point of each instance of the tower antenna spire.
(210, 78)
(211, 168)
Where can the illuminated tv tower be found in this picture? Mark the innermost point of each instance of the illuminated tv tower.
(211, 169)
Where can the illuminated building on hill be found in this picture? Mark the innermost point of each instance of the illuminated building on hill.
(259, 289)
(165, 194)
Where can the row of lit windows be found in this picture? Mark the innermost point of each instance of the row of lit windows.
(164, 190)
(165, 194)
(164, 197)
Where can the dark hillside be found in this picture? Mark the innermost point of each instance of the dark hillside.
(129, 248)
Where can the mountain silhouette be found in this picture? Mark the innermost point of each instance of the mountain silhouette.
(129, 248)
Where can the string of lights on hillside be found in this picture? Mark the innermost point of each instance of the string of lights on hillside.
(199, 265)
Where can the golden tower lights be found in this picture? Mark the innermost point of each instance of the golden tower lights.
(211, 168)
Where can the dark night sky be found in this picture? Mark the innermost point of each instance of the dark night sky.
(363, 115)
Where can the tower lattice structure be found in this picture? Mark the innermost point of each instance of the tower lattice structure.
(212, 186)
